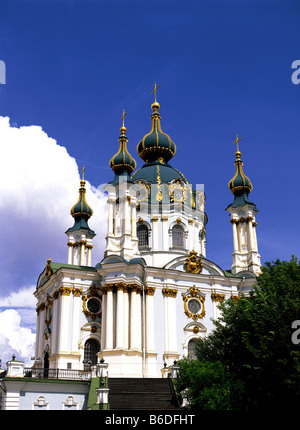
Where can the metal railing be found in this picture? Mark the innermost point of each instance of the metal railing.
(71, 374)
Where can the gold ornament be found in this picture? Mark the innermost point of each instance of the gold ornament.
(193, 263)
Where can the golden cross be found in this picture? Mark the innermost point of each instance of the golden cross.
(82, 172)
(237, 142)
(123, 116)
(155, 89)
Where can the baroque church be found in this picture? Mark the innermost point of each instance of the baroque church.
(154, 292)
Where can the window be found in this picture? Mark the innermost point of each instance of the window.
(192, 349)
(91, 348)
(177, 236)
(143, 237)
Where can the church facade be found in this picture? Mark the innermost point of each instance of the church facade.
(154, 292)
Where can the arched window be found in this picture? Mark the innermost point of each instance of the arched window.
(192, 349)
(91, 348)
(143, 236)
(177, 236)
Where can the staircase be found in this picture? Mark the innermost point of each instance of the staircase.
(142, 394)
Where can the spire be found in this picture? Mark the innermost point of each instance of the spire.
(81, 211)
(240, 185)
(122, 161)
(245, 251)
(156, 145)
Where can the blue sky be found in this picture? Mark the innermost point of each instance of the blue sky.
(224, 68)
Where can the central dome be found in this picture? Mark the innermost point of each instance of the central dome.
(156, 145)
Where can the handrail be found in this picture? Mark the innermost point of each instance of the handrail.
(46, 373)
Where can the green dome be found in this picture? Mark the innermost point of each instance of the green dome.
(81, 208)
(122, 160)
(149, 173)
(240, 182)
(156, 145)
(81, 211)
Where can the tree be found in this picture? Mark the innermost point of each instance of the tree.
(252, 341)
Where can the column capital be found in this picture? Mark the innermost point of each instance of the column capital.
(150, 291)
(169, 292)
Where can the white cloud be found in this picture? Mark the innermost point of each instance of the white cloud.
(15, 339)
(39, 185)
(22, 298)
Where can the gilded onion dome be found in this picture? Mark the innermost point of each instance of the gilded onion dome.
(240, 185)
(81, 211)
(81, 208)
(156, 145)
(122, 160)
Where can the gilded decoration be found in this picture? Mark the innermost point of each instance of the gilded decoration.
(142, 191)
(76, 292)
(92, 293)
(121, 286)
(169, 292)
(178, 192)
(217, 297)
(48, 308)
(193, 263)
(65, 291)
(150, 291)
(49, 270)
(194, 294)
(159, 195)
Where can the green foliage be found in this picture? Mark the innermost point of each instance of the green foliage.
(253, 342)
(210, 385)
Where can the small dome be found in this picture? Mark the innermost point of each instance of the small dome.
(122, 160)
(156, 145)
(81, 208)
(240, 183)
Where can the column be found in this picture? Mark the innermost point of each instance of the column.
(139, 318)
(254, 224)
(154, 234)
(120, 317)
(250, 233)
(126, 317)
(170, 322)
(133, 218)
(41, 330)
(110, 229)
(83, 252)
(89, 255)
(64, 319)
(191, 244)
(70, 252)
(104, 313)
(75, 319)
(109, 318)
(165, 236)
(54, 324)
(127, 215)
(235, 236)
(149, 341)
(133, 317)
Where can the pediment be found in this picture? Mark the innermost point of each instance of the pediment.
(208, 267)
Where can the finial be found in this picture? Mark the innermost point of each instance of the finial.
(123, 116)
(123, 128)
(154, 91)
(237, 142)
(82, 172)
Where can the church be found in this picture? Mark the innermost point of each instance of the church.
(154, 292)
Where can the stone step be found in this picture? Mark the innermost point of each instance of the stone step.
(142, 393)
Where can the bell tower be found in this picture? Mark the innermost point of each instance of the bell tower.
(121, 237)
(243, 211)
(80, 236)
